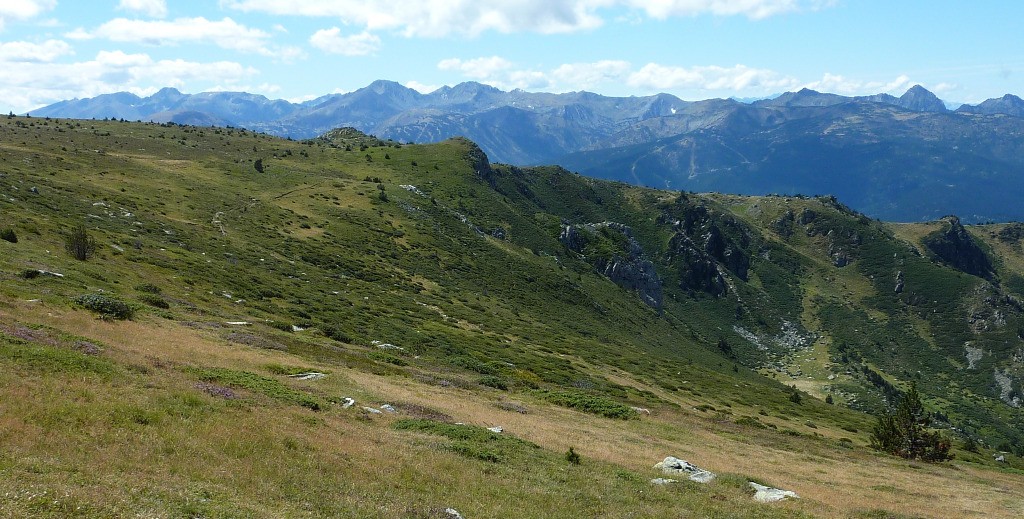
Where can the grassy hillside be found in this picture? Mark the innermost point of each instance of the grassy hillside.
(425, 278)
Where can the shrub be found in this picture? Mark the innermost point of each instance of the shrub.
(154, 301)
(79, 244)
(9, 235)
(493, 381)
(106, 306)
(970, 444)
(592, 404)
(381, 356)
(148, 288)
(572, 456)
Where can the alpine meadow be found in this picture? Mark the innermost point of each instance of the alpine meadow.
(491, 259)
(212, 322)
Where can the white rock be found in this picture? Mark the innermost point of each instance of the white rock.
(312, 375)
(641, 410)
(664, 481)
(496, 429)
(238, 323)
(453, 513)
(372, 410)
(389, 408)
(763, 494)
(673, 465)
(348, 402)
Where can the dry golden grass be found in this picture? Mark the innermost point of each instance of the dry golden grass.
(76, 446)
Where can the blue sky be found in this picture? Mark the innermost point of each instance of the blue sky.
(52, 50)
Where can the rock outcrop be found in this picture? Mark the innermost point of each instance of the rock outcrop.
(763, 494)
(675, 466)
(613, 250)
(955, 246)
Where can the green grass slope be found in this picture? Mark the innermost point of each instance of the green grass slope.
(429, 279)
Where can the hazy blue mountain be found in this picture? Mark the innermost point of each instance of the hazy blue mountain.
(1008, 104)
(905, 158)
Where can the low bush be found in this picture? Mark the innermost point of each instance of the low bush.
(588, 403)
(154, 301)
(106, 306)
(8, 235)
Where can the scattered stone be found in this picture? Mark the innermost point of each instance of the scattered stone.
(672, 465)
(664, 481)
(1001, 459)
(87, 348)
(763, 494)
(386, 346)
(348, 402)
(238, 323)
(496, 429)
(513, 406)
(641, 410)
(298, 328)
(453, 513)
(388, 408)
(311, 375)
(216, 390)
(372, 410)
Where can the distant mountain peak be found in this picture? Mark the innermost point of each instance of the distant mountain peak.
(1009, 104)
(920, 99)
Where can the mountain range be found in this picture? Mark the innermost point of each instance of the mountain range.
(904, 158)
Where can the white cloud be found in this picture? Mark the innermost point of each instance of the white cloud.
(588, 75)
(757, 9)
(332, 41)
(152, 8)
(49, 50)
(225, 33)
(420, 87)
(23, 9)
(435, 18)
(477, 68)
(738, 78)
(839, 84)
(26, 85)
(698, 81)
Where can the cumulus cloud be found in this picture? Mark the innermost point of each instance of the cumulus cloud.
(332, 41)
(153, 8)
(756, 9)
(737, 78)
(839, 84)
(225, 33)
(30, 84)
(420, 87)
(24, 51)
(652, 77)
(23, 9)
(435, 18)
(588, 75)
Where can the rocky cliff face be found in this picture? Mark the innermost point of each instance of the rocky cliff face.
(611, 248)
(955, 246)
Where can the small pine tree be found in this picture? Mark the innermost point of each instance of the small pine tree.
(572, 456)
(79, 244)
(828, 399)
(795, 396)
(258, 165)
(970, 444)
(905, 432)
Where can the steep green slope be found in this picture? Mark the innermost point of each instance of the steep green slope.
(424, 267)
